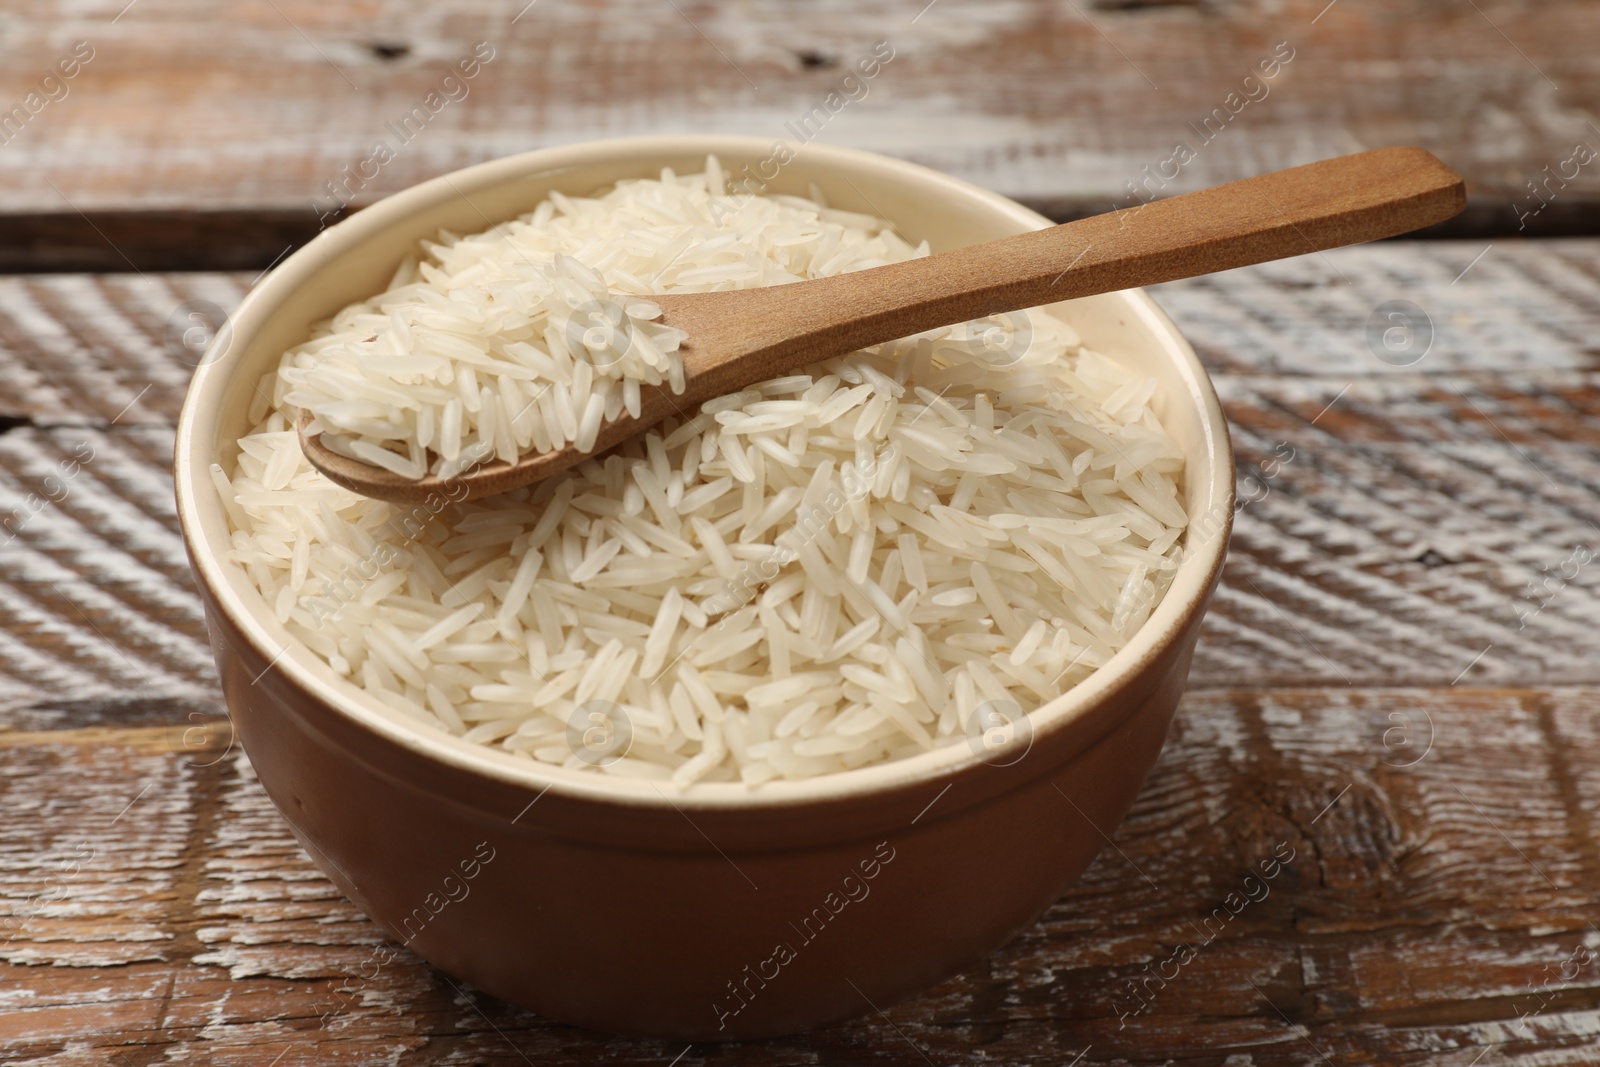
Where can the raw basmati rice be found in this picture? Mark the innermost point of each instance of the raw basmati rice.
(839, 567)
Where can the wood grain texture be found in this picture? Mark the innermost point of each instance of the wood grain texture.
(1405, 524)
(1432, 891)
(1365, 693)
(217, 134)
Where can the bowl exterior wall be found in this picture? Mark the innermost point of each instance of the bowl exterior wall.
(617, 919)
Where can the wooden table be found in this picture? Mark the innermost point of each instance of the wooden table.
(1399, 681)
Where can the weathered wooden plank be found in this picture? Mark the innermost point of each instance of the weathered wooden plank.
(1413, 528)
(80, 348)
(193, 134)
(1498, 306)
(98, 348)
(98, 600)
(1412, 524)
(1436, 897)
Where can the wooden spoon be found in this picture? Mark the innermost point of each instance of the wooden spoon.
(746, 336)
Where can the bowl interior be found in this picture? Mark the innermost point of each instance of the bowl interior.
(357, 257)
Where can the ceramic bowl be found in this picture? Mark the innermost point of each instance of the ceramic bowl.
(717, 911)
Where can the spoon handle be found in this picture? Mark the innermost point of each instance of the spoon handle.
(1335, 202)
(736, 338)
